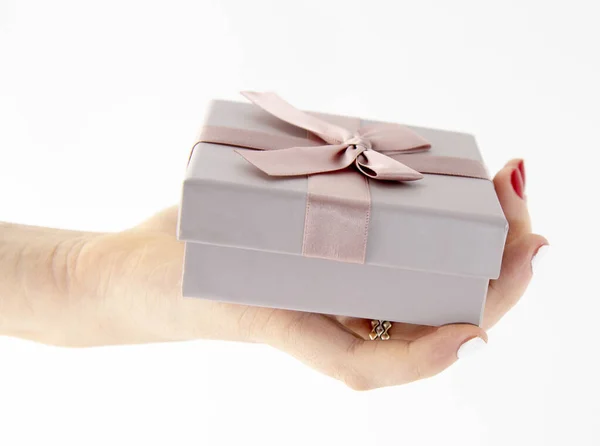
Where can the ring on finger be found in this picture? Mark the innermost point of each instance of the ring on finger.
(379, 330)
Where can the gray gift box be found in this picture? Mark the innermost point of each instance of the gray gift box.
(433, 245)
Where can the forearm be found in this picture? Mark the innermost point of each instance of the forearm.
(84, 289)
(34, 280)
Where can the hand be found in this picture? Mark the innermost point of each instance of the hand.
(125, 288)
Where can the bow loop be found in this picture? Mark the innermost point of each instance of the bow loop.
(394, 139)
(381, 167)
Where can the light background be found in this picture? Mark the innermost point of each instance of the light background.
(99, 105)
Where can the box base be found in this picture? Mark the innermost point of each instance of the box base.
(275, 280)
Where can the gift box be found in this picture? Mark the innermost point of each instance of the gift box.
(338, 215)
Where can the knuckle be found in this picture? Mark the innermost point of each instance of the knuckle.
(349, 374)
(415, 369)
(417, 372)
(296, 328)
(246, 322)
(503, 175)
(254, 322)
(357, 381)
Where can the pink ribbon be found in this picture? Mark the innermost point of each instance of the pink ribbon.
(338, 202)
(365, 148)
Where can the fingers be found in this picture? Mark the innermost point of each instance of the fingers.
(515, 275)
(510, 187)
(326, 345)
(315, 339)
(399, 331)
(521, 245)
(373, 364)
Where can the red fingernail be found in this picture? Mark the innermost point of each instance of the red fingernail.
(517, 182)
(522, 170)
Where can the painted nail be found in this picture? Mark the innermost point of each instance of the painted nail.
(522, 170)
(537, 258)
(517, 182)
(470, 347)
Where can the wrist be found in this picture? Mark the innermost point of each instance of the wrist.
(36, 280)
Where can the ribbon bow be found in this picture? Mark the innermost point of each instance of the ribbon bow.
(367, 149)
(338, 201)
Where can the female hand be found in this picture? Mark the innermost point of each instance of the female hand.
(83, 289)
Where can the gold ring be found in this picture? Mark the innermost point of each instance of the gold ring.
(379, 330)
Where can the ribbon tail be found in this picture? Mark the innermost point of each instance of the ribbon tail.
(394, 138)
(273, 104)
(297, 161)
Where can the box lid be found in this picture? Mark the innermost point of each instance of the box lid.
(444, 224)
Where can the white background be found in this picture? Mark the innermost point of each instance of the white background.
(99, 104)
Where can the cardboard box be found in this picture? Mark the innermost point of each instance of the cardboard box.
(433, 245)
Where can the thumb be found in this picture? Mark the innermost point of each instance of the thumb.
(440, 349)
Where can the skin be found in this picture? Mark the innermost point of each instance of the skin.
(81, 289)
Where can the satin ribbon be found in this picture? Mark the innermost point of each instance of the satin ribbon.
(338, 201)
(365, 148)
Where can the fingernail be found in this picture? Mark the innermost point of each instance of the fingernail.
(517, 182)
(470, 347)
(522, 170)
(537, 258)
